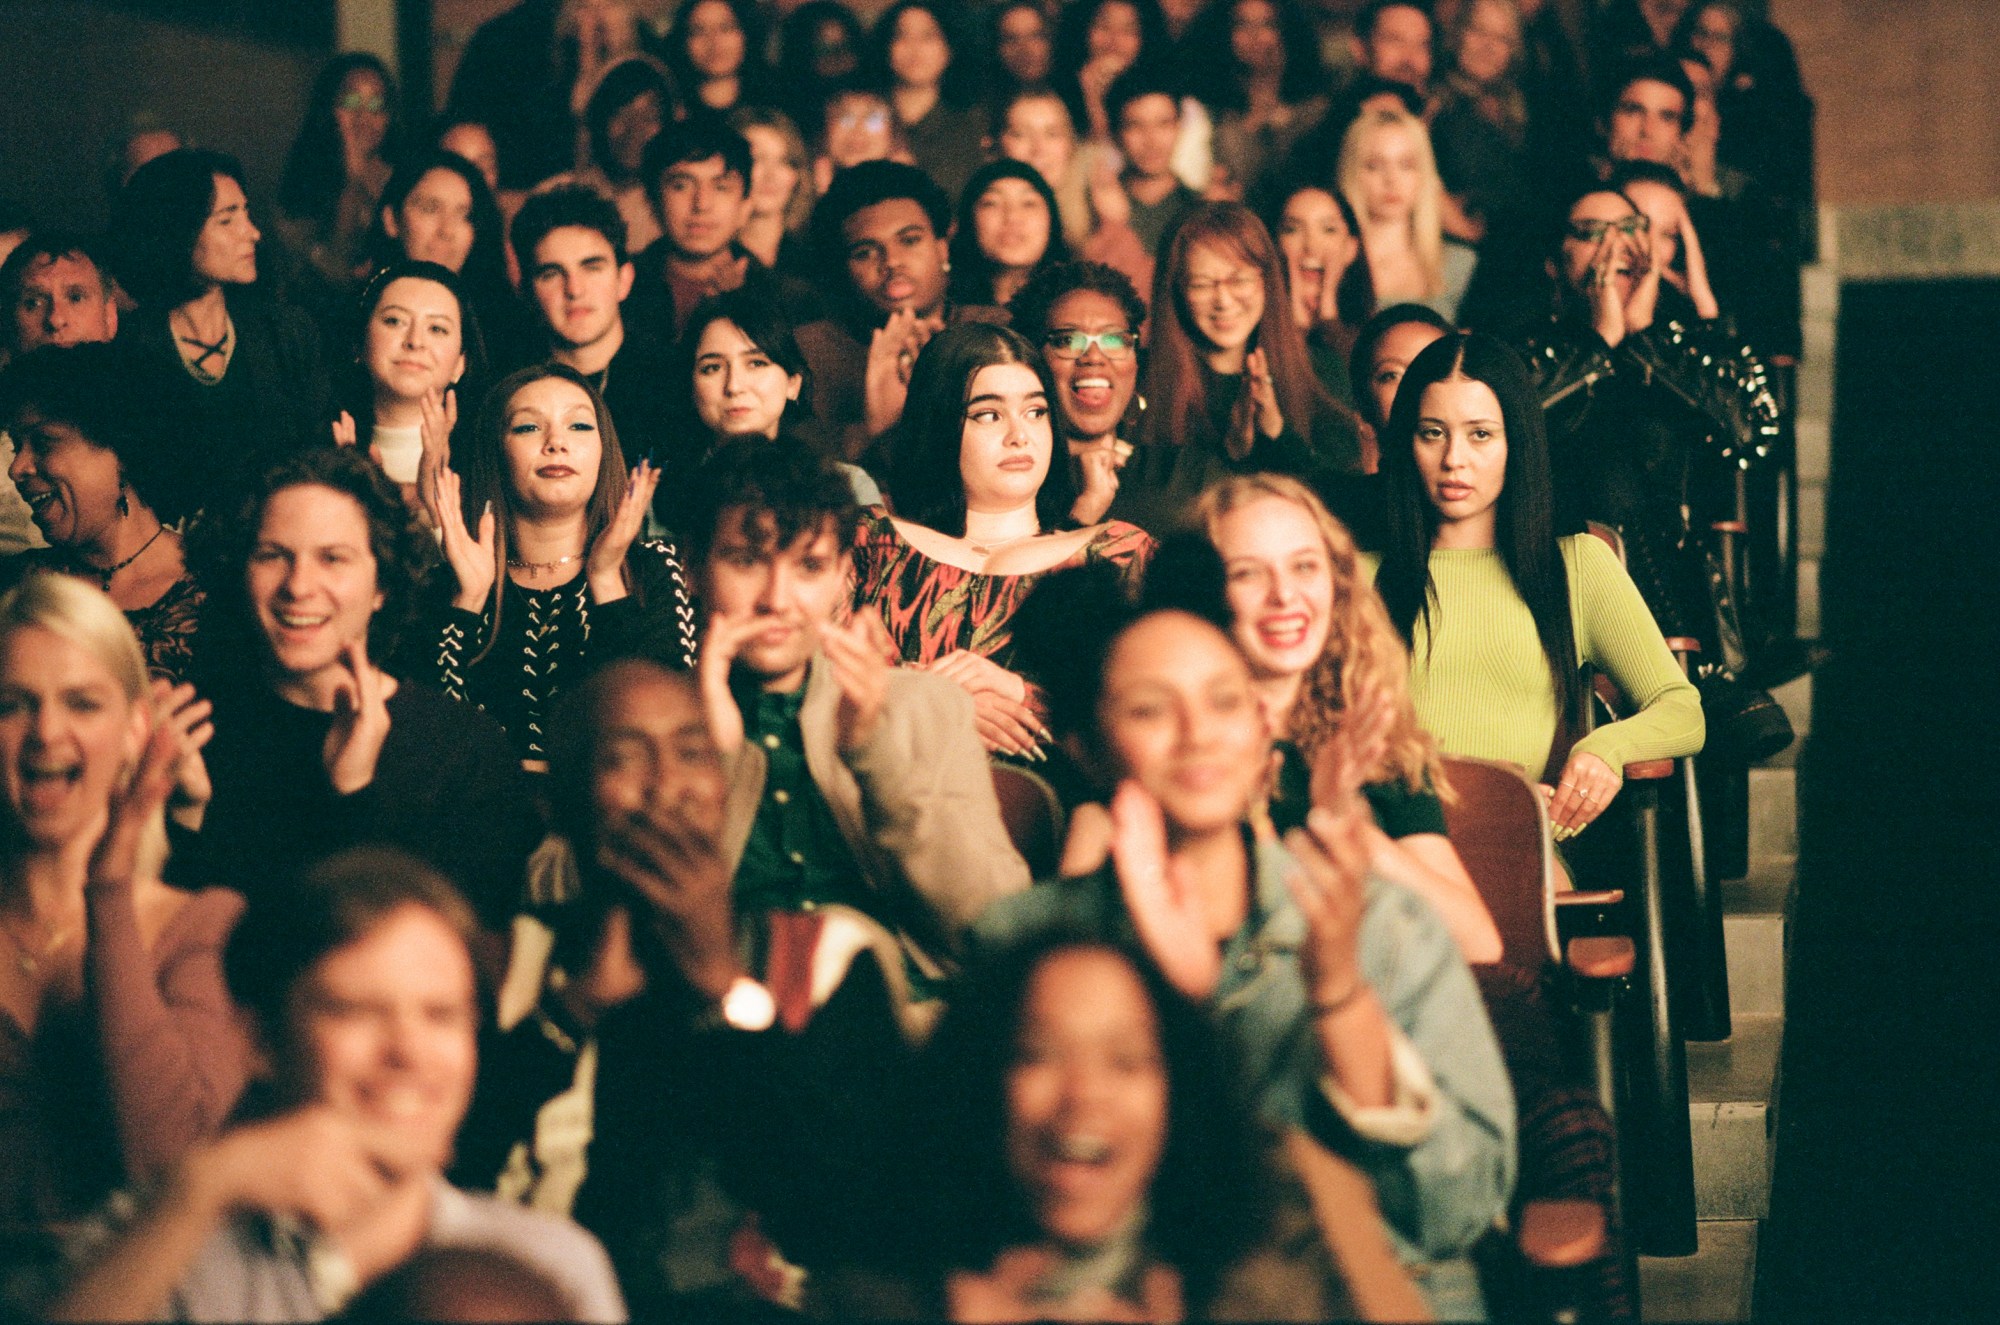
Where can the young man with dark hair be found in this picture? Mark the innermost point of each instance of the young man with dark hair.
(852, 781)
(1648, 115)
(1144, 108)
(570, 243)
(880, 235)
(697, 173)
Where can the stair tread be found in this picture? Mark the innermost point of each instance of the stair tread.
(1714, 1284)
(1738, 1071)
(1766, 889)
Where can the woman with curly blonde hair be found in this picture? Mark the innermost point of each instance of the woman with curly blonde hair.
(1323, 650)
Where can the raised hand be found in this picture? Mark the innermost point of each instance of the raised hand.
(892, 354)
(1698, 288)
(719, 643)
(439, 417)
(473, 560)
(606, 564)
(1161, 895)
(344, 432)
(180, 727)
(360, 721)
(1099, 467)
(1108, 198)
(181, 711)
(855, 651)
(676, 871)
(1607, 307)
(1645, 300)
(1330, 886)
(1264, 393)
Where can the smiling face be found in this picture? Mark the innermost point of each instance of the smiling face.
(1087, 1100)
(1038, 131)
(1461, 450)
(311, 585)
(1148, 128)
(1094, 389)
(1391, 359)
(413, 344)
(894, 258)
(792, 590)
(1005, 449)
(384, 1029)
(1280, 584)
(67, 732)
(225, 251)
(1178, 716)
(579, 285)
(1225, 296)
(651, 752)
(553, 447)
(434, 224)
(1318, 246)
(1012, 224)
(1598, 218)
(739, 391)
(70, 483)
(64, 300)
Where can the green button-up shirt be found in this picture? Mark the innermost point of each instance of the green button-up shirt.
(795, 858)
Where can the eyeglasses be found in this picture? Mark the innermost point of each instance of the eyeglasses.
(1239, 286)
(875, 121)
(1074, 344)
(362, 101)
(1589, 232)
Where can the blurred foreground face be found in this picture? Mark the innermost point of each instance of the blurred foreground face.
(1086, 1096)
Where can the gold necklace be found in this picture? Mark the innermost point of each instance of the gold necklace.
(988, 549)
(543, 567)
(30, 962)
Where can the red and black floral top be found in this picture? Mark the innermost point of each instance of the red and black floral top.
(932, 608)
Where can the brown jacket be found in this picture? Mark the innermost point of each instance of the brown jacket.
(915, 805)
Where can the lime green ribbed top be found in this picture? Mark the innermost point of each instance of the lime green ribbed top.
(1481, 684)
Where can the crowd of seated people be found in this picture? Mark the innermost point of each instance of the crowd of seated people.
(796, 661)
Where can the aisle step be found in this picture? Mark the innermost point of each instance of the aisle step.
(1774, 813)
(1731, 1086)
(1711, 1285)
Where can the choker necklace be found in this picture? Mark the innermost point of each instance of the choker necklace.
(538, 567)
(104, 573)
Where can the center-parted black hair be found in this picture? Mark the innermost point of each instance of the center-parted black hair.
(315, 171)
(1208, 1202)
(1362, 358)
(924, 478)
(794, 484)
(622, 84)
(972, 272)
(485, 269)
(1525, 521)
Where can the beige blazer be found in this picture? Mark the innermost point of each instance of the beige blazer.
(915, 805)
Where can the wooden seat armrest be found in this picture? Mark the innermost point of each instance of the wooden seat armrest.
(1730, 527)
(1683, 644)
(1580, 897)
(1604, 957)
(1649, 770)
(1561, 1235)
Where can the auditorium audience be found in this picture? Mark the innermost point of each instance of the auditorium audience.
(721, 759)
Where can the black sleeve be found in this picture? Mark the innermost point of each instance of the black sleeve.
(656, 620)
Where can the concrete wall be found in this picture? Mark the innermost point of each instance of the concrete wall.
(75, 73)
(1909, 97)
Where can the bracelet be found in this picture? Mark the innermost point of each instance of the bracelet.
(1326, 1007)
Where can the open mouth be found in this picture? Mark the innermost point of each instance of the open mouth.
(38, 499)
(1284, 632)
(1092, 393)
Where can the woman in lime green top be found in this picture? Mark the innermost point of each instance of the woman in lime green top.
(1499, 612)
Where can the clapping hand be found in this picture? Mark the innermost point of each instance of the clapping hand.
(606, 564)
(1161, 895)
(473, 560)
(360, 721)
(180, 728)
(858, 652)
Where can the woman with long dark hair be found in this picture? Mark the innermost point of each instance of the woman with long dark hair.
(1345, 1005)
(339, 163)
(917, 58)
(982, 513)
(1009, 227)
(1259, 73)
(438, 208)
(1332, 294)
(1229, 383)
(542, 534)
(239, 372)
(715, 52)
(1498, 611)
(626, 110)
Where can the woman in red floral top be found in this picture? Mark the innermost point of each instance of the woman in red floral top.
(981, 517)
